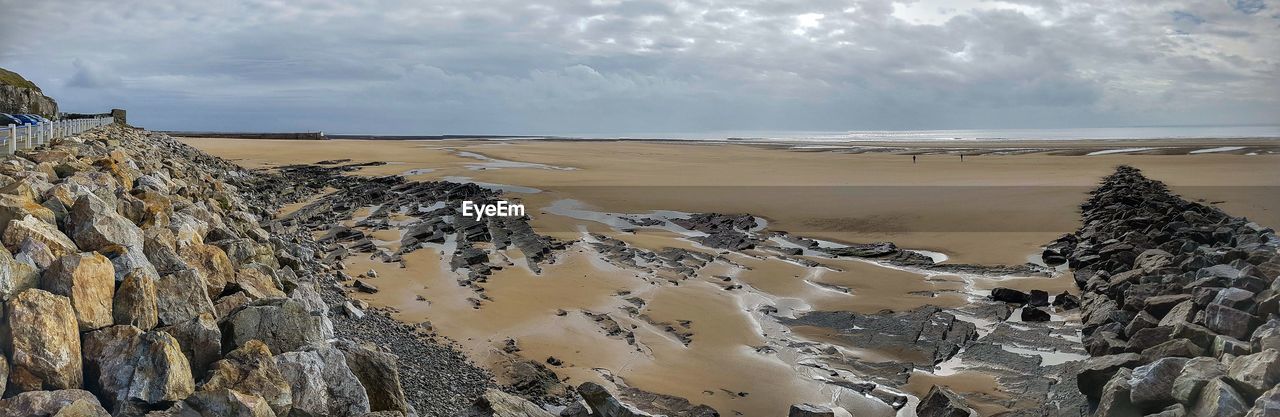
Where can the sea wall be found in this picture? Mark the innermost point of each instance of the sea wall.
(1179, 304)
(137, 278)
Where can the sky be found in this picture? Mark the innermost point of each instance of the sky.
(611, 67)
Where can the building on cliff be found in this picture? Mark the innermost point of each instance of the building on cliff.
(18, 95)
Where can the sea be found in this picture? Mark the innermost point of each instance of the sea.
(1144, 132)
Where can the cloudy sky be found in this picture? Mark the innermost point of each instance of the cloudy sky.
(621, 67)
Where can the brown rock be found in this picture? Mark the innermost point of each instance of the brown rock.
(88, 280)
(201, 342)
(251, 368)
(213, 264)
(257, 285)
(40, 231)
(136, 303)
(52, 403)
(15, 276)
(378, 373)
(44, 343)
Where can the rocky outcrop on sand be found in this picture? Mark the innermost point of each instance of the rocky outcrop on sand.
(1179, 303)
(140, 276)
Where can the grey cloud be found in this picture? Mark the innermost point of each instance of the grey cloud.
(509, 66)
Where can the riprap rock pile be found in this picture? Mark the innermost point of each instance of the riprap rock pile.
(1179, 304)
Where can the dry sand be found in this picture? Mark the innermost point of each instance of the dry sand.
(987, 209)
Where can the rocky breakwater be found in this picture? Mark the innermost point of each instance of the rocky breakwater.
(136, 279)
(1179, 304)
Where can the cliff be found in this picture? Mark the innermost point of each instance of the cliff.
(19, 95)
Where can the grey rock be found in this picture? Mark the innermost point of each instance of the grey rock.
(282, 324)
(941, 402)
(1151, 384)
(181, 296)
(1217, 399)
(50, 403)
(1254, 374)
(1195, 374)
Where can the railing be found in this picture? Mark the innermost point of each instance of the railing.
(30, 136)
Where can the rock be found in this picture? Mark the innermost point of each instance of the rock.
(1034, 314)
(201, 342)
(50, 403)
(365, 287)
(1235, 298)
(1095, 372)
(1009, 295)
(1228, 321)
(17, 207)
(941, 402)
(83, 408)
(1152, 260)
(181, 296)
(1266, 336)
(500, 404)
(322, 384)
(222, 402)
(378, 373)
(1183, 312)
(15, 276)
(1038, 298)
(127, 365)
(88, 281)
(250, 369)
(1066, 301)
(135, 302)
(1115, 400)
(257, 285)
(1268, 405)
(44, 342)
(604, 404)
(1195, 374)
(212, 263)
(1160, 305)
(810, 410)
(39, 231)
(1218, 399)
(1254, 374)
(1179, 348)
(96, 226)
(282, 324)
(1151, 384)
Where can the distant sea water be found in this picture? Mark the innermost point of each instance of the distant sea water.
(1153, 132)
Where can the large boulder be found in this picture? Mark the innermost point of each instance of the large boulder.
(88, 280)
(1254, 374)
(126, 365)
(1116, 400)
(1218, 399)
(15, 276)
(201, 342)
(44, 342)
(37, 230)
(95, 225)
(810, 410)
(1151, 384)
(283, 324)
(378, 373)
(52, 403)
(322, 383)
(257, 285)
(213, 264)
(1268, 405)
(136, 302)
(251, 369)
(14, 207)
(1194, 375)
(1095, 372)
(181, 296)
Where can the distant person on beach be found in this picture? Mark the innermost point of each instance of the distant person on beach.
(961, 157)
(913, 159)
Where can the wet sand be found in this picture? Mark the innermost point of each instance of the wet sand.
(937, 203)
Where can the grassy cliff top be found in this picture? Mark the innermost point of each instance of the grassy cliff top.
(12, 78)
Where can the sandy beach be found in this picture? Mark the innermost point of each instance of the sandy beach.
(703, 339)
